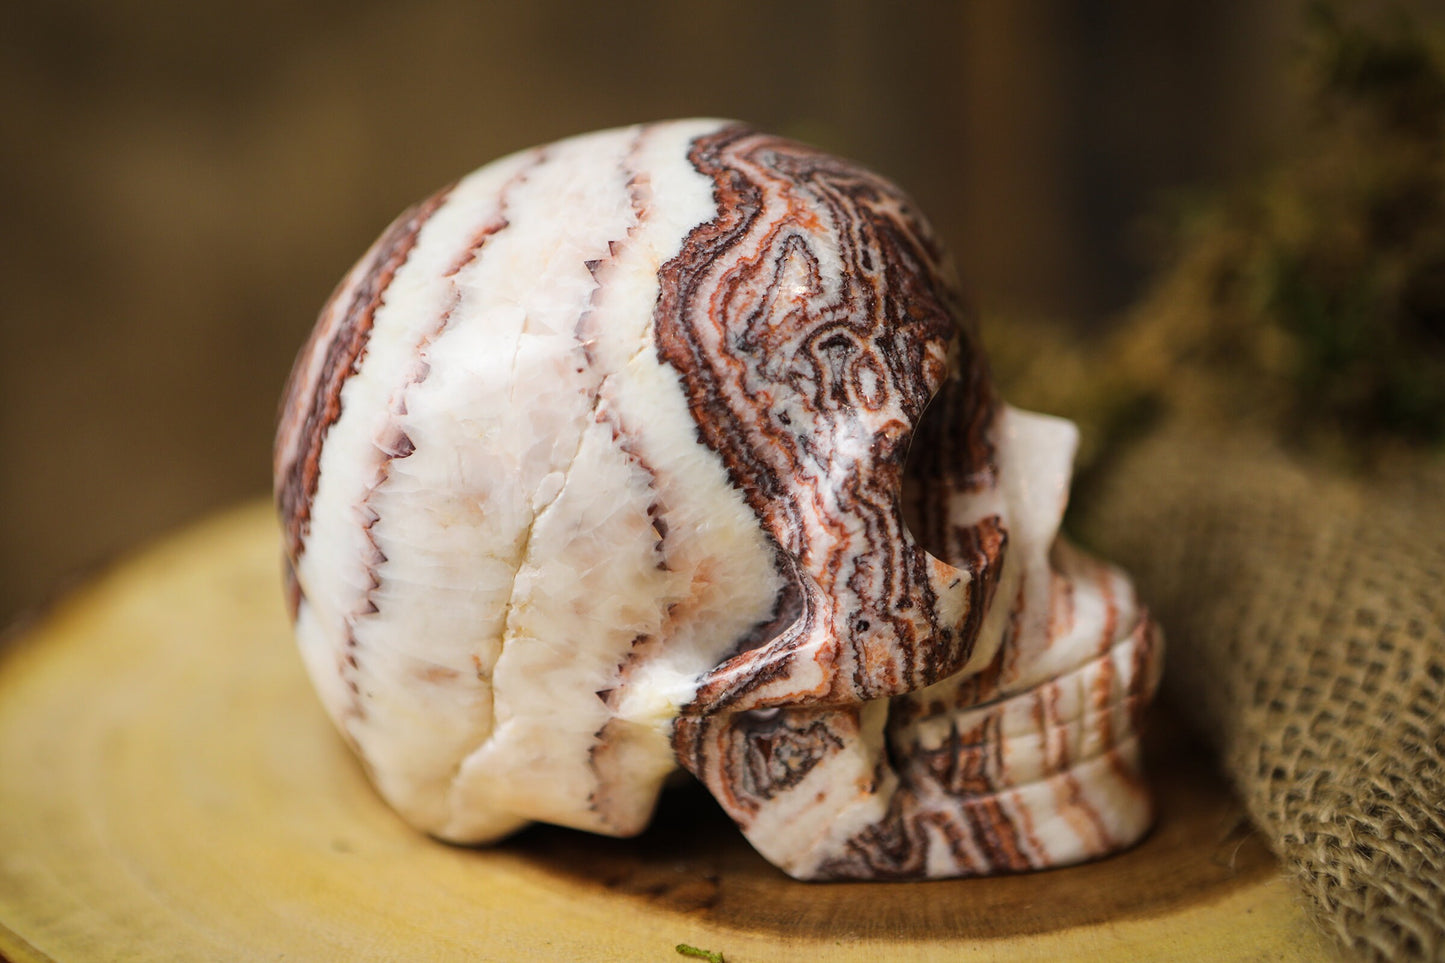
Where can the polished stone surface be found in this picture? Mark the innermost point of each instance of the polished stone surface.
(612, 456)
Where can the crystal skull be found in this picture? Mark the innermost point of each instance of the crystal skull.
(612, 458)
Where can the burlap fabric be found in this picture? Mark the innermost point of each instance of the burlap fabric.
(1305, 622)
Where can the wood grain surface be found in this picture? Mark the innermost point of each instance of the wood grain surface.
(169, 789)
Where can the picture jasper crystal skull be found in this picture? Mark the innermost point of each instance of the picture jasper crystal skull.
(612, 457)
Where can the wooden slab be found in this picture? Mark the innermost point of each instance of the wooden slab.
(169, 789)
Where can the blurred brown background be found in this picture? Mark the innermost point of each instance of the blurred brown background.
(182, 183)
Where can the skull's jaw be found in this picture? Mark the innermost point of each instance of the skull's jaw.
(1027, 759)
(942, 783)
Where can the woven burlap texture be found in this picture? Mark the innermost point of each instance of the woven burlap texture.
(1305, 622)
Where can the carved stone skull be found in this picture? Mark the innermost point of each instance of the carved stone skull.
(613, 456)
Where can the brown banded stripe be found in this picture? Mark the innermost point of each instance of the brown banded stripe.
(312, 401)
(811, 323)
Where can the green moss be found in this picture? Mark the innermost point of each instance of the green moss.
(1307, 302)
(1314, 296)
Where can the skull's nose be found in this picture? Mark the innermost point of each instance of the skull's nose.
(850, 645)
(953, 590)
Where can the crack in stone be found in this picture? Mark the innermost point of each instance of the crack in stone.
(538, 514)
(519, 561)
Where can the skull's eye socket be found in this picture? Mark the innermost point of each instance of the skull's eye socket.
(924, 493)
(787, 609)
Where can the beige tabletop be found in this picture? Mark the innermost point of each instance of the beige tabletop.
(169, 789)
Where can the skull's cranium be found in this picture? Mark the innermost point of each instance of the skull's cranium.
(595, 464)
